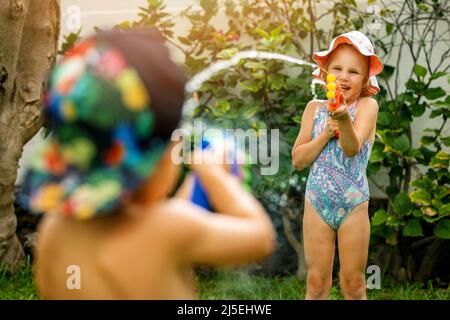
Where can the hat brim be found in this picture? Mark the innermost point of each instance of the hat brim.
(81, 195)
(375, 64)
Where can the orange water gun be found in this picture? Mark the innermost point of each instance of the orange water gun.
(334, 95)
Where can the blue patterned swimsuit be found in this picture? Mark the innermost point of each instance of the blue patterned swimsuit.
(337, 183)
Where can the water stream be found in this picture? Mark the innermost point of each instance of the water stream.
(197, 81)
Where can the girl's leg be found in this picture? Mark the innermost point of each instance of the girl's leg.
(319, 243)
(353, 243)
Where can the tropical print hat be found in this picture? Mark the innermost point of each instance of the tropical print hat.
(361, 43)
(112, 104)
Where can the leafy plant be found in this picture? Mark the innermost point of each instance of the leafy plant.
(419, 204)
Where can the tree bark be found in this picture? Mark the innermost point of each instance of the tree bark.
(430, 259)
(286, 214)
(29, 33)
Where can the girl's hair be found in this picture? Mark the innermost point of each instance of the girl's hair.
(365, 88)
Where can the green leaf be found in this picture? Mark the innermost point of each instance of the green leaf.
(254, 65)
(293, 83)
(402, 143)
(291, 101)
(210, 6)
(185, 41)
(437, 163)
(389, 28)
(445, 209)
(391, 239)
(423, 7)
(442, 230)
(385, 118)
(297, 119)
(227, 53)
(415, 153)
(436, 113)
(251, 111)
(437, 75)
(427, 140)
(224, 105)
(413, 229)
(402, 204)
(418, 109)
(420, 71)
(442, 155)
(379, 217)
(262, 33)
(424, 183)
(276, 32)
(434, 93)
(446, 141)
(377, 154)
(251, 85)
(441, 192)
(393, 221)
(387, 137)
(387, 72)
(420, 197)
(276, 81)
(373, 168)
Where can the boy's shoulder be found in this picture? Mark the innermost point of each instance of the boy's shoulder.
(179, 212)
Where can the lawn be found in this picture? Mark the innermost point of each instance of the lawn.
(241, 285)
(235, 285)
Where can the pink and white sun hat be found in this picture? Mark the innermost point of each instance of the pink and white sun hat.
(361, 43)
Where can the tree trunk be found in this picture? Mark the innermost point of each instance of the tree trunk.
(430, 259)
(29, 32)
(286, 215)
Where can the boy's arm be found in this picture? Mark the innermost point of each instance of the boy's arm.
(185, 190)
(354, 135)
(240, 232)
(306, 150)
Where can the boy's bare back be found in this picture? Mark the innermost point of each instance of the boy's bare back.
(120, 257)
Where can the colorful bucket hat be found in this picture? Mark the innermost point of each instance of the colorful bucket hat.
(361, 43)
(111, 105)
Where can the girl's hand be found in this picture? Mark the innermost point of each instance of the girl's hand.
(331, 128)
(340, 113)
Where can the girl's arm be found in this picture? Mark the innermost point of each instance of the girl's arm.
(353, 136)
(306, 150)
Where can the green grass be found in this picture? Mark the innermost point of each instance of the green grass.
(19, 285)
(241, 285)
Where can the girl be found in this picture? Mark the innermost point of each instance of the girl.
(337, 193)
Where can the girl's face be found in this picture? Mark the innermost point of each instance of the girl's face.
(351, 71)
